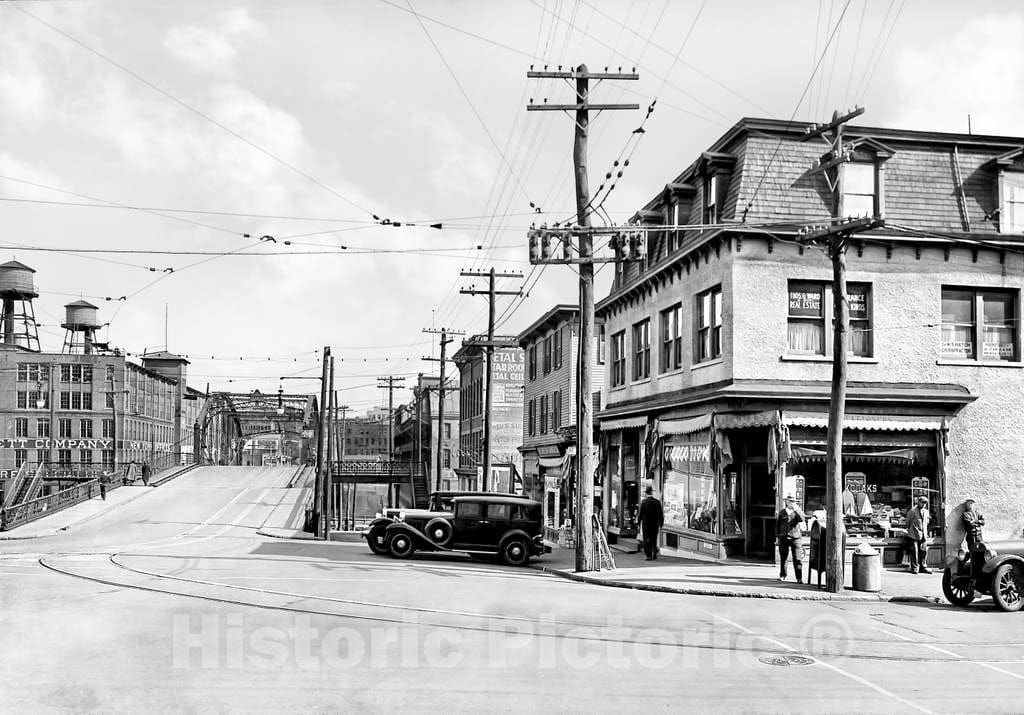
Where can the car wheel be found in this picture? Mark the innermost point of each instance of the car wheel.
(439, 531)
(401, 546)
(1008, 588)
(958, 591)
(375, 540)
(515, 551)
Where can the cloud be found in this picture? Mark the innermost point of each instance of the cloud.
(213, 49)
(976, 71)
(460, 167)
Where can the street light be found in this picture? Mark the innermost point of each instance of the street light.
(280, 400)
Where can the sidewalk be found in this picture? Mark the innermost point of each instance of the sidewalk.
(740, 579)
(75, 515)
(286, 520)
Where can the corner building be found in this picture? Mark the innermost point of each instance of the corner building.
(720, 342)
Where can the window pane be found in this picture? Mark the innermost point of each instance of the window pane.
(957, 306)
(497, 511)
(806, 300)
(702, 504)
(958, 341)
(470, 510)
(807, 338)
(998, 308)
(999, 344)
(855, 205)
(860, 339)
(717, 299)
(705, 310)
(859, 179)
(858, 299)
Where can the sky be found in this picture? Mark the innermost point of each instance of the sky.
(201, 126)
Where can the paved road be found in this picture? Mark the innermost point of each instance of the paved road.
(174, 602)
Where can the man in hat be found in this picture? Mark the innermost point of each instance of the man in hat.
(789, 533)
(973, 521)
(917, 533)
(652, 518)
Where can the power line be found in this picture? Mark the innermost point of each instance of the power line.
(885, 44)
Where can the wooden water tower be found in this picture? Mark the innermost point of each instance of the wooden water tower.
(81, 324)
(18, 318)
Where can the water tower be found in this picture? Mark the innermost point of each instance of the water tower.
(18, 319)
(81, 324)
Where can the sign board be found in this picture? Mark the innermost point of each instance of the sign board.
(805, 302)
(920, 487)
(795, 484)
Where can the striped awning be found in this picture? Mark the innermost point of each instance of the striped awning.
(875, 423)
(623, 423)
(687, 426)
(731, 420)
(550, 462)
(892, 456)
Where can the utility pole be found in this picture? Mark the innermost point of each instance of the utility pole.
(343, 409)
(585, 552)
(491, 293)
(834, 239)
(388, 383)
(328, 485)
(321, 449)
(445, 339)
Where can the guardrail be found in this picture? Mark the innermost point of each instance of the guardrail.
(367, 467)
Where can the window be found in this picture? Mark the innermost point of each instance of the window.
(34, 398)
(602, 344)
(65, 373)
(543, 414)
(556, 409)
(995, 332)
(642, 350)
(1011, 202)
(63, 428)
(532, 418)
(86, 400)
(76, 373)
(557, 357)
(446, 461)
(64, 457)
(32, 372)
(810, 318)
(671, 338)
(21, 427)
(860, 188)
(20, 457)
(86, 373)
(547, 354)
(672, 219)
(109, 374)
(533, 362)
(85, 456)
(619, 358)
(447, 430)
(711, 208)
(498, 512)
(468, 510)
(108, 459)
(43, 427)
(42, 457)
(709, 324)
(86, 428)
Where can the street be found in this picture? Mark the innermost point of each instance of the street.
(174, 602)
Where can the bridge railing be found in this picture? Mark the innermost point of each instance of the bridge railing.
(384, 469)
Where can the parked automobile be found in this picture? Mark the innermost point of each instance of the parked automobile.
(441, 501)
(501, 525)
(998, 572)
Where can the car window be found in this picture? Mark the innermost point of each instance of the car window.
(520, 513)
(445, 504)
(468, 510)
(497, 511)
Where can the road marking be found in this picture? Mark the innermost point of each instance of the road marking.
(998, 670)
(891, 633)
(942, 650)
(828, 666)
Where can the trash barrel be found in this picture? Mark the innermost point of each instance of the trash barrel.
(867, 569)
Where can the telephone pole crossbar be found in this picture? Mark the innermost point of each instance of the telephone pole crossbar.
(584, 516)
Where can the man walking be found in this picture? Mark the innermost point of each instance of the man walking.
(145, 474)
(789, 535)
(917, 533)
(652, 518)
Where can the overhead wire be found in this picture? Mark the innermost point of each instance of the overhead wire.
(856, 50)
(874, 48)
(878, 60)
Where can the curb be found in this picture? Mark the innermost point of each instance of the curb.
(67, 527)
(170, 477)
(721, 592)
(287, 534)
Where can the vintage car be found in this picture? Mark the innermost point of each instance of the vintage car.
(995, 569)
(439, 504)
(501, 525)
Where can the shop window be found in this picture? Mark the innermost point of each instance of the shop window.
(547, 354)
(690, 498)
(1011, 205)
(532, 362)
(618, 359)
(671, 339)
(642, 350)
(985, 318)
(709, 325)
(810, 318)
(860, 190)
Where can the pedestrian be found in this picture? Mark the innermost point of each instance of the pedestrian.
(103, 487)
(973, 521)
(652, 518)
(145, 474)
(917, 533)
(789, 533)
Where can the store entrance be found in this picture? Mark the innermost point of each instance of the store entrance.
(758, 510)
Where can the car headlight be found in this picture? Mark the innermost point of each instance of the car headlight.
(401, 516)
(961, 555)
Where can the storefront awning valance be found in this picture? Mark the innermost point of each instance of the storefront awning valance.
(687, 426)
(808, 454)
(623, 423)
(727, 420)
(551, 462)
(878, 423)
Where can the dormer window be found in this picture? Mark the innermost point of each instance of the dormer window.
(711, 208)
(1011, 202)
(860, 190)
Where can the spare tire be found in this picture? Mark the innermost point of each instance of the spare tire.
(439, 531)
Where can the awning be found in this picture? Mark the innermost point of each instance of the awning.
(623, 423)
(550, 462)
(807, 454)
(878, 423)
(730, 420)
(687, 426)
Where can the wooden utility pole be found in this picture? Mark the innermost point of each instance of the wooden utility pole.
(321, 450)
(388, 383)
(328, 485)
(445, 339)
(834, 239)
(585, 552)
(491, 293)
(339, 440)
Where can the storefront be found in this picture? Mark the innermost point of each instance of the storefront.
(557, 503)
(723, 476)
(622, 446)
